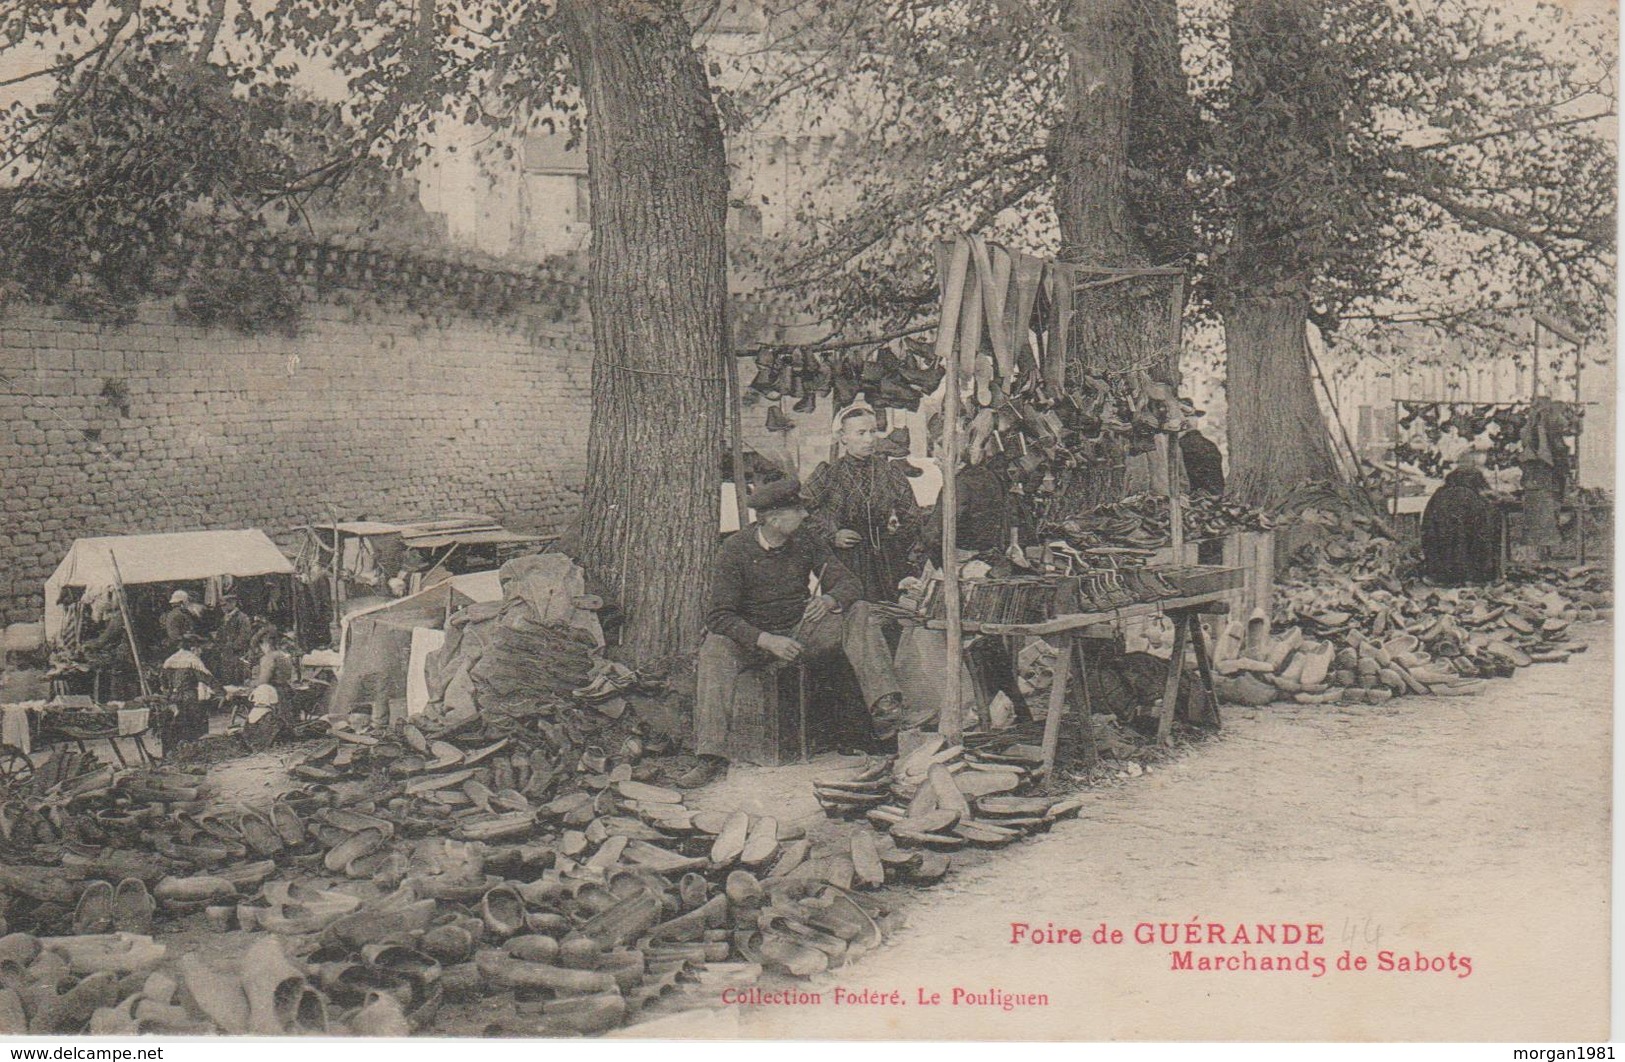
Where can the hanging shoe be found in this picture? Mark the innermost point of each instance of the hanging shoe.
(784, 374)
(823, 372)
(783, 381)
(894, 394)
(808, 402)
(843, 389)
(765, 365)
(871, 374)
(777, 421)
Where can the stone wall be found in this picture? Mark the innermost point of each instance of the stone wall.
(374, 408)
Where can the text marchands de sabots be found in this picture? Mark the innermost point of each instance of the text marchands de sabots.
(1202, 946)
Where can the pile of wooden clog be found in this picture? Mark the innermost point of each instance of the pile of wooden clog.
(1369, 636)
(936, 800)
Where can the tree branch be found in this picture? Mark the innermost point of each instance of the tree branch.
(968, 180)
(1445, 145)
(1487, 217)
(215, 18)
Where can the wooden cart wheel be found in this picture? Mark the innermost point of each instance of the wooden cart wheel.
(15, 766)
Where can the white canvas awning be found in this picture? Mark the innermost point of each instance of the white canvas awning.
(168, 558)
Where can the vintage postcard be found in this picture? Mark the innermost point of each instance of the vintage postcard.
(807, 519)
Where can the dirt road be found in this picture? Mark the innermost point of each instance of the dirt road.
(1473, 827)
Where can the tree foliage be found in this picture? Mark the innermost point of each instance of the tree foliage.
(1395, 159)
(142, 136)
(948, 114)
(1388, 159)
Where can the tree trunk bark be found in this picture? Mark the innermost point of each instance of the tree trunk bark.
(657, 175)
(1118, 71)
(1278, 438)
(1089, 148)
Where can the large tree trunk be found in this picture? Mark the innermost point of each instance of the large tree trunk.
(1288, 103)
(1123, 70)
(1278, 438)
(658, 178)
(1089, 147)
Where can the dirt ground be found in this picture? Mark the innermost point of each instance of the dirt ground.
(1477, 827)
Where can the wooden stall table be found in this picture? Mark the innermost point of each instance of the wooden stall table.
(1066, 630)
(61, 726)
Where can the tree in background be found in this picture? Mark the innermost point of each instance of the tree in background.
(625, 72)
(1355, 159)
(1365, 158)
(1059, 126)
(145, 139)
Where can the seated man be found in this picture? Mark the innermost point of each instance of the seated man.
(762, 615)
(275, 667)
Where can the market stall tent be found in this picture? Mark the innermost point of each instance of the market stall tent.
(384, 647)
(355, 559)
(184, 556)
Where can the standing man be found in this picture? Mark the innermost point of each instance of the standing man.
(861, 505)
(108, 654)
(232, 641)
(984, 521)
(180, 622)
(762, 616)
(1461, 529)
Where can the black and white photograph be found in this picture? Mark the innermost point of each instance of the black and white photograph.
(786, 520)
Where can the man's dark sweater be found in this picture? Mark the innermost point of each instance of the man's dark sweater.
(756, 589)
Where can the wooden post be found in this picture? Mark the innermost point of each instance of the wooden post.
(129, 627)
(1580, 509)
(293, 599)
(1168, 451)
(335, 631)
(952, 298)
(1534, 369)
(1393, 515)
(1176, 317)
(1204, 671)
(1061, 674)
(1091, 750)
(1170, 691)
(736, 434)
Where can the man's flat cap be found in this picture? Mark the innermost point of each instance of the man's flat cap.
(779, 494)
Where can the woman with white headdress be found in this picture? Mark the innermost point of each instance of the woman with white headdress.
(862, 506)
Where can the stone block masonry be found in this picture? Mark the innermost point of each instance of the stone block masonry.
(373, 410)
